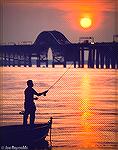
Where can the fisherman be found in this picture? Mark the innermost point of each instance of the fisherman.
(29, 104)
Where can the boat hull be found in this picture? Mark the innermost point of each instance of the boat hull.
(20, 135)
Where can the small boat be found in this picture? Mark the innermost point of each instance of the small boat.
(21, 135)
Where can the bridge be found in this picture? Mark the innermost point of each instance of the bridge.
(100, 55)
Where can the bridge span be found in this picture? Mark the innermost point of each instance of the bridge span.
(100, 55)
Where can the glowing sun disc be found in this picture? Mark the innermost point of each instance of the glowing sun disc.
(85, 22)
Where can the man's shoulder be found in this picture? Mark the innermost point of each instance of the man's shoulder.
(29, 89)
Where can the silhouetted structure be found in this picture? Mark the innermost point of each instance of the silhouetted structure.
(28, 138)
(101, 55)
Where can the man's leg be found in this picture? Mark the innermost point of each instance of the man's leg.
(32, 118)
(25, 117)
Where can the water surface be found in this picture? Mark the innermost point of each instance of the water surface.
(83, 104)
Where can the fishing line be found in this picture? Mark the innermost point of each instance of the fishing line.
(58, 81)
(60, 77)
(22, 112)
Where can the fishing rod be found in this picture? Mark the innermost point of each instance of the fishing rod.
(22, 112)
(59, 78)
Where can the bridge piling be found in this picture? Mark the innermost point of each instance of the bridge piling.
(9, 60)
(64, 65)
(107, 59)
(102, 58)
(29, 61)
(13, 60)
(82, 58)
(19, 60)
(78, 57)
(38, 61)
(91, 58)
(74, 64)
(5, 59)
(46, 60)
(97, 58)
(23, 61)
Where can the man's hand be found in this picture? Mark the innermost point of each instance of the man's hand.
(36, 98)
(44, 93)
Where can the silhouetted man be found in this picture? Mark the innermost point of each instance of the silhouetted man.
(29, 104)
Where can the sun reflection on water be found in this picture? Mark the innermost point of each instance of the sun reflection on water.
(86, 116)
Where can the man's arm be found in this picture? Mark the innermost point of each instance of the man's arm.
(39, 94)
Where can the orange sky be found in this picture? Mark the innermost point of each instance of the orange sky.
(24, 20)
(74, 10)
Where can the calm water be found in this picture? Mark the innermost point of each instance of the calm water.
(83, 104)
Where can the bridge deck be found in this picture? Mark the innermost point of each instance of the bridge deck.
(100, 55)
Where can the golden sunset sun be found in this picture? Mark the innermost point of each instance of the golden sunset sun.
(86, 22)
